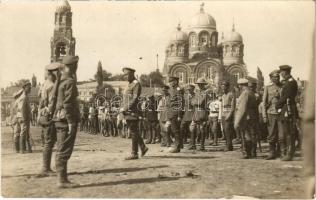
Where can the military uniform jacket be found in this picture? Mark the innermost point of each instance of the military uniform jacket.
(188, 108)
(199, 102)
(67, 107)
(130, 100)
(289, 91)
(227, 105)
(23, 108)
(162, 108)
(270, 98)
(246, 108)
(152, 114)
(45, 106)
(175, 103)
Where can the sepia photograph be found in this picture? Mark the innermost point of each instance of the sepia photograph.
(157, 99)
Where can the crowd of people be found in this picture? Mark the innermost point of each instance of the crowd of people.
(177, 116)
(237, 116)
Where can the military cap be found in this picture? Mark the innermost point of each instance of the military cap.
(242, 81)
(173, 78)
(26, 83)
(225, 82)
(189, 86)
(127, 69)
(165, 87)
(54, 66)
(17, 93)
(275, 73)
(201, 81)
(68, 60)
(252, 83)
(285, 68)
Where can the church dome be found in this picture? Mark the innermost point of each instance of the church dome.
(233, 36)
(203, 19)
(63, 6)
(178, 35)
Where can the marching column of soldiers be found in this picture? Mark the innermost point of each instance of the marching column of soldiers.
(194, 113)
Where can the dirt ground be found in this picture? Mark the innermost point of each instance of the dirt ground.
(98, 165)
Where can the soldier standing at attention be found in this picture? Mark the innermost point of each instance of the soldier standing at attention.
(245, 118)
(188, 113)
(131, 112)
(213, 119)
(24, 117)
(66, 118)
(270, 115)
(14, 120)
(46, 110)
(164, 126)
(174, 112)
(226, 116)
(200, 115)
(286, 106)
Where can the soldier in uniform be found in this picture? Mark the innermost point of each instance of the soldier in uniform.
(245, 118)
(213, 119)
(24, 117)
(226, 114)
(288, 113)
(270, 115)
(66, 118)
(14, 121)
(199, 119)
(131, 112)
(46, 111)
(152, 120)
(188, 113)
(174, 112)
(162, 109)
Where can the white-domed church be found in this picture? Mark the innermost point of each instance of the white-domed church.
(196, 53)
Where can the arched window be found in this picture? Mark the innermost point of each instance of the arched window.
(192, 39)
(204, 38)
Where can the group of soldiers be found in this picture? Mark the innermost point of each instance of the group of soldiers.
(196, 113)
(171, 118)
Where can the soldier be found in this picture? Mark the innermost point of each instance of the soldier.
(174, 112)
(286, 107)
(14, 121)
(152, 120)
(245, 117)
(188, 113)
(226, 114)
(270, 115)
(199, 119)
(47, 108)
(24, 117)
(66, 118)
(213, 119)
(131, 112)
(162, 109)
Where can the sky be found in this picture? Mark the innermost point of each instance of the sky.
(118, 33)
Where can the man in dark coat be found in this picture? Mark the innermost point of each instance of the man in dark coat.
(287, 109)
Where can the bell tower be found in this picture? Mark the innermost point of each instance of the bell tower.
(62, 43)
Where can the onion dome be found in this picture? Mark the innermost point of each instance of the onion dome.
(233, 36)
(63, 6)
(203, 20)
(178, 35)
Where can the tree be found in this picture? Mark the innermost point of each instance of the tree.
(34, 81)
(153, 79)
(118, 77)
(260, 79)
(105, 74)
(99, 74)
(20, 82)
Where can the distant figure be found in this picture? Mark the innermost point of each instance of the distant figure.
(34, 111)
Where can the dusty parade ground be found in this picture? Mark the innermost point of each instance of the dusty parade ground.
(98, 165)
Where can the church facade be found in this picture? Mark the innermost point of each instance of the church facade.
(62, 43)
(196, 53)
